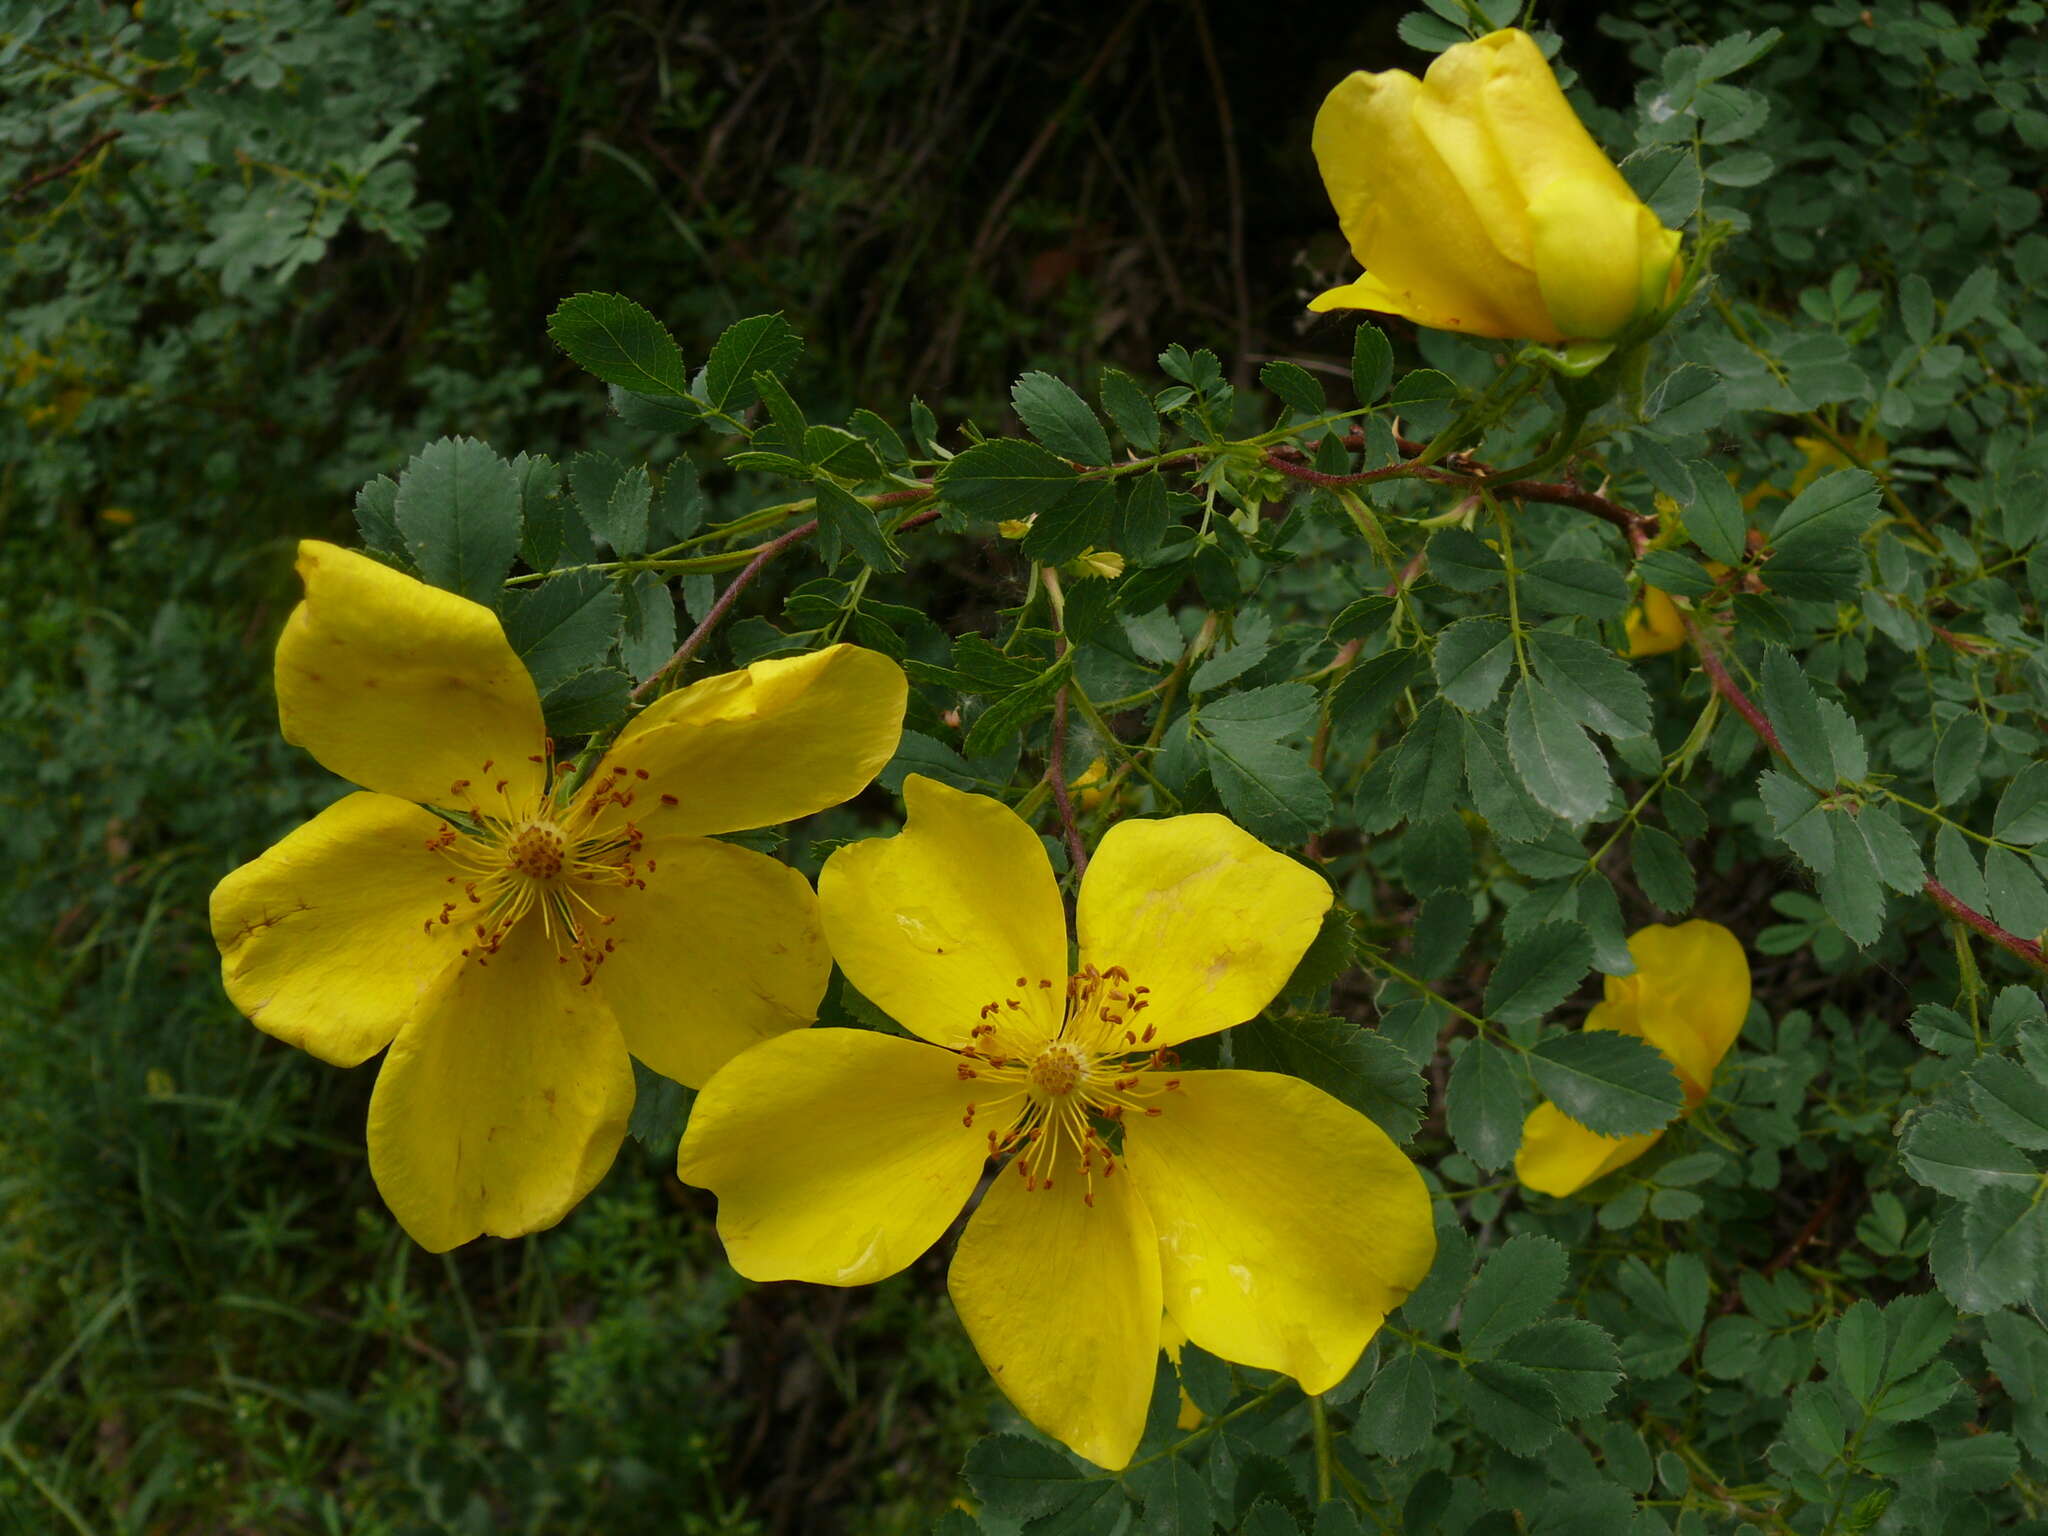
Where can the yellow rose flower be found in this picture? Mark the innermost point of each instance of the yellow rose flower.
(512, 942)
(1687, 998)
(1272, 1223)
(1477, 201)
(1654, 625)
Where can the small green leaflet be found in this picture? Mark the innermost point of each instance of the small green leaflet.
(614, 338)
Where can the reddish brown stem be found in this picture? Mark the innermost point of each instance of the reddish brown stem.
(762, 556)
(1056, 776)
(1943, 897)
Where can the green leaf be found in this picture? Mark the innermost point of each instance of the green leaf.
(1511, 1405)
(1600, 690)
(1264, 779)
(2022, 814)
(1483, 1105)
(1359, 1067)
(1519, 1283)
(1268, 1517)
(1798, 820)
(1852, 891)
(2017, 899)
(1294, 386)
(563, 626)
(1843, 501)
(1176, 1499)
(1575, 586)
(1021, 1478)
(835, 451)
(1472, 660)
(1441, 929)
(649, 639)
(1715, 521)
(1859, 1348)
(1131, 409)
(1537, 972)
(458, 508)
(1360, 701)
(1081, 519)
(1557, 762)
(614, 338)
(1059, 418)
(1462, 562)
(376, 516)
(1893, 852)
(1421, 385)
(622, 521)
(1372, 363)
(2006, 1233)
(1662, 870)
(1575, 1359)
(587, 702)
(1497, 792)
(1794, 713)
(1669, 571)
(1611, 1083)
(1398, 1416)
(1942, 1030)
(1956, 758)
(849, 519)
(2012, 1100)
(757, 344)
(1005, 478)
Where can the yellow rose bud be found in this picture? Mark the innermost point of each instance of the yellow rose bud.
(1014, 527)
(1477, 201)
(1654, 625)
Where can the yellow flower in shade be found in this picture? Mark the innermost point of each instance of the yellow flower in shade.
(510, 940)
(1477, 201)
(1654, 625)
(1272, 1223)
(1687, 998)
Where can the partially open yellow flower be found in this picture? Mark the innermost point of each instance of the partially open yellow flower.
(1274, 1224)
(1687, 998)
(1654, 625)
(510, 941)
(1477, 201)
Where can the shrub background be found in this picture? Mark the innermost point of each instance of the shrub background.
(259, 257)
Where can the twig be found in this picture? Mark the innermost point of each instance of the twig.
(1805, 1234)
(1233, 181)
(739, 584)
(97, 141)
(1942, 896)
(1056, 776)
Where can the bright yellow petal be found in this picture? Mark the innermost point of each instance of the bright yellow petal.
(1369, 293)
(503, 1100)
(1654, 625)
(1688, 997)
(1061, 1299)
(784, 738)
(326, 940)
(1588, 263)
(1409, 222)
(958, 910)
(721, 950)
(1450, 113)
(837, 1155)
(1201, 912)
(1528, 117)
(1560, 1157)
(1289, 1224)
(403, 688)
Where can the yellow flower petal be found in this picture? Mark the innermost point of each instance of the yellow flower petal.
(1560, 1157)
(1408, 220)
(837, 1155)
(781, 739)
(1588, 264)
(502, 1102)
(720, 950)
(1688, 997)
(1539, 135)
(949, 915)
(1061, 1299)
(403, 688)
(1654, 625)
(1201, 912)
(324, 938)
(1289, 1224)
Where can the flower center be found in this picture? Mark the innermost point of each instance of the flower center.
(549, 858)
(1060, 1103)
(537, 850)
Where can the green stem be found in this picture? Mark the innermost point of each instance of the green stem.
(1322, 1426)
